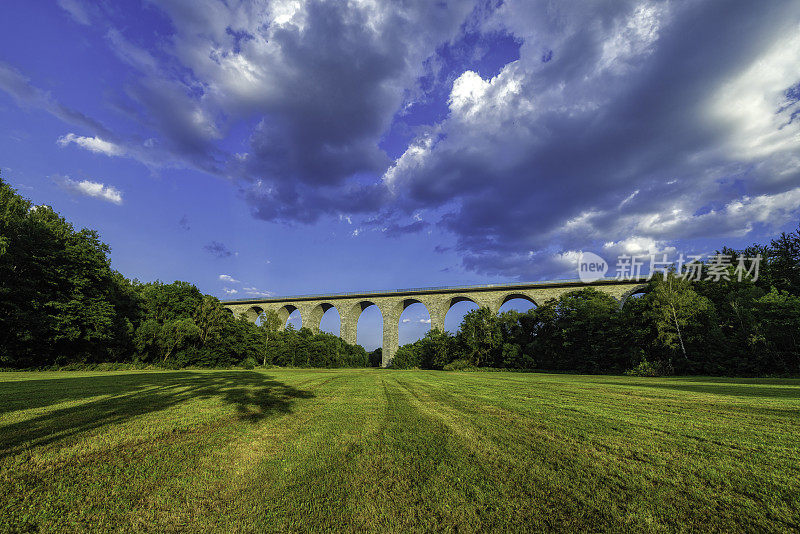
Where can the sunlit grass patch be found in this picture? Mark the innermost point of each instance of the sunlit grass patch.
(376, 450)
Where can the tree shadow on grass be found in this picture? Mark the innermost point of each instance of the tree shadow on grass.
(253, 395)
(720, 387)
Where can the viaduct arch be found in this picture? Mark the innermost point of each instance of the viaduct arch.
(438, 301)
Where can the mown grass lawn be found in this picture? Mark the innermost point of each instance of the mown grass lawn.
(377, 450)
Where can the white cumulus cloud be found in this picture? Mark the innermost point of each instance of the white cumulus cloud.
(91, 189)
(93, 144)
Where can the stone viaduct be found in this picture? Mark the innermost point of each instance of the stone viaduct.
(438, 300)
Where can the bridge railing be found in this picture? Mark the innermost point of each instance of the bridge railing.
(568, 281)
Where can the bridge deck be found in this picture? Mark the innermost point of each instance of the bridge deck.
(437, 289)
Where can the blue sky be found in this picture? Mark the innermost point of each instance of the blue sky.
(304, 147)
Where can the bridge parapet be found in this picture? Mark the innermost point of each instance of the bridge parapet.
(437, 300)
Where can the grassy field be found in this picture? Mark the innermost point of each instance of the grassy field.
(374, 450)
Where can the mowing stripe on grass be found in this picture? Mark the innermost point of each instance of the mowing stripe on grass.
(383, 451)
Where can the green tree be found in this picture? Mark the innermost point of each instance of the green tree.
(480, 337)
(239, 341)
(210, 316)
(168, 324)
(437, 349)
(579, 331)
(270, 324)
(58, 293)
(675, 306)
(783, 262)
(777, 333)
(176, 335)
(375, 357)
(406, 357)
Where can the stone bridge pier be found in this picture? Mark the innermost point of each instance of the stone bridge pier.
(437, 300)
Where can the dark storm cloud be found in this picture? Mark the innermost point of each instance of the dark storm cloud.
(625, 125)
(323, 84)
(297, 202)
(335, 100)
(557, 175)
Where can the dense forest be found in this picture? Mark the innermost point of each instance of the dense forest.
(62, 305)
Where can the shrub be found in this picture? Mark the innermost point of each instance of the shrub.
(460, 365)
(406, 357)
(249, 363)
(375, 357)
(644, 368)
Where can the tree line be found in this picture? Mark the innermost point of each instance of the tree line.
(62, 304)
(676, 326)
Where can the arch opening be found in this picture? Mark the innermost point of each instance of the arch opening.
(634, 294)
(331, 321)
(517, 303)
(295, 320)
(253, 312)
(369, 326)
(459, 307)
(290, 315)
(415, 322)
